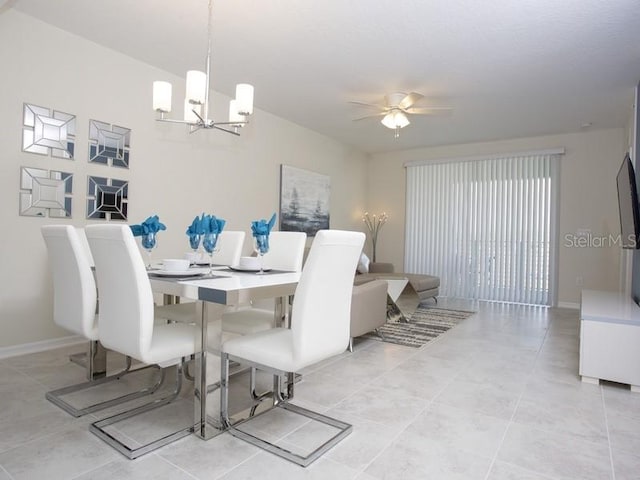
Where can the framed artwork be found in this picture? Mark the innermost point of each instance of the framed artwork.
(304, 200)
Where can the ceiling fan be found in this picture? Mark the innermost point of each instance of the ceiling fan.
(397, 107)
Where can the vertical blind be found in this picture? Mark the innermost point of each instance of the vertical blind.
(487, 227)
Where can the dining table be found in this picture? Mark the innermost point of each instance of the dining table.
(216, 290)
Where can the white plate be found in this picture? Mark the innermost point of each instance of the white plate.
(247, 269)
(176, 273)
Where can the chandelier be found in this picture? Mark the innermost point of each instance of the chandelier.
(196, 102)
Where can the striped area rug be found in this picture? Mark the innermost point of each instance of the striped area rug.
(426, 323)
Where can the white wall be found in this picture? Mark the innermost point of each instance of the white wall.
(588, 200)
(173, 174)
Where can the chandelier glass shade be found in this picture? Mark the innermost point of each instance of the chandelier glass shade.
(196, 103)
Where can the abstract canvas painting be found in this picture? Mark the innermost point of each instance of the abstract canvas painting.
(304, 200)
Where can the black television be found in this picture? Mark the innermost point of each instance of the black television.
(628, 205)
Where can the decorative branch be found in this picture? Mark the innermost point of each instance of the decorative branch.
(374, 223)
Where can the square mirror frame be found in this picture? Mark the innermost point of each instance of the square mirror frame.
(107, 198)
(45, 193)
(47, 132)
(109, 144)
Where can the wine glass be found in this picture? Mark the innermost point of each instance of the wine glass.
(194, 241)
(261, 246)
(209, 243)
(149, 243)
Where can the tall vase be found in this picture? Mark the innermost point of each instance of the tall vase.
(374, 241)
(374, 223)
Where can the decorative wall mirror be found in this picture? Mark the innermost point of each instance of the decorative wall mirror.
(109, 144)
(107, 198)
(45, 132)
(45, 192)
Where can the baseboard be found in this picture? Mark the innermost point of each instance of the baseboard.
(572, 305)
(34, 347)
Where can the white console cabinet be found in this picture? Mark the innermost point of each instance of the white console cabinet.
(609, 338)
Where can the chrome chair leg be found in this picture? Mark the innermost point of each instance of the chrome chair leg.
(185, 367)
(291, 379)
(97, 357)
(55, 396)
(343, 428)
(252, 387)
(277, 387)
(99, 428)
(94, 360)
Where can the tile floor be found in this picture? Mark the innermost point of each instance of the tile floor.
(497, 397)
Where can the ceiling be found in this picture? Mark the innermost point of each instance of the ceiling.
(509, 68)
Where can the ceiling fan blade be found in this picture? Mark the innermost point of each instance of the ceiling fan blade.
(370, 116)
(368, 105)
(429, 110)
(409, 100)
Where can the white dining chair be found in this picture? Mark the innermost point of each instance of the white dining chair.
(286, 252)
(228, 252)
(126, 324)
(74, 288)
(84, 243)
(74, 307)
(319, 330)
(94, 360)
(228, 248)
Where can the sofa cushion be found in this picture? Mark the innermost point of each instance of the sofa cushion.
(381, 267)
(364, 278)
(421, 282)
(368, 307)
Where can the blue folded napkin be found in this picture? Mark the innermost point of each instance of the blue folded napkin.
(211, 224)
(262, 227)
(150, 225)
(196, 227)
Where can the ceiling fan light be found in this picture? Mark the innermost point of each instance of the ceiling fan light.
(395, 119)
(196, 86)
(387, 121)
(401, 120)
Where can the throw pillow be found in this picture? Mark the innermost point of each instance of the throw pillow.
(363, 264)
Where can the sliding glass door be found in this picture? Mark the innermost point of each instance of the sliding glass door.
(486, 227)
